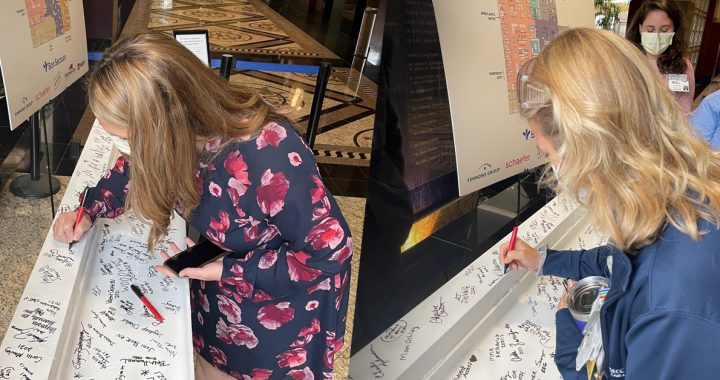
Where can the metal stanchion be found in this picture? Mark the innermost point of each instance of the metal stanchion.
(35, 185)
(362, 48)
(226, 66)
(320, 86)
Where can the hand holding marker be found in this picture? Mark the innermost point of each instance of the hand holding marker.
(80, 213)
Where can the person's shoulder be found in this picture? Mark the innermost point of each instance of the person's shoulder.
(683, 276)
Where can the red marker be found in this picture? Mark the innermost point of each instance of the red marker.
(511, 246)
(80, 212)
(147, 303)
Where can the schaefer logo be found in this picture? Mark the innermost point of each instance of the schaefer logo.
(52, 64)
(517, 161)
(485, 171)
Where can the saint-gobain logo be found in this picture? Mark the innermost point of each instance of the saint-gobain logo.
(528, 134)
(485, 170)
(52, 64)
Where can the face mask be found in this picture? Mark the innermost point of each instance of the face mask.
(121, 144)
(656, 43)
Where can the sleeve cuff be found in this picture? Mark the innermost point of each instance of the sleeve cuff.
(542, 251)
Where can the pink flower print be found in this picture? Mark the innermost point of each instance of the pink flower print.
(236, 189)
(301, 374)
(198, 341)
(215, 190)
(258, 374)
(237, 269)
(328, 233)
(318, 192)
(216, 232)
(120, 165)
(97, 207)
(200, 318)
(204, 304)
(322, 211)
(235, 165)
(293, 357)
(273, 316)
(261, 296)
(295, 159)
(323, 285)
(229, 308)
(239, 335)
(268, 234)
(272, 134)
(243, 289)
(297, 267)
(271, 192)
(313, 329)
(312, 305)
(344, 253)
(213, 143)
(333, 346)
(218, 357)
(302, 341)
(268, 260)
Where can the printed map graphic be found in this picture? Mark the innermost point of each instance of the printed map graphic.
(48, 19)
(527, 26)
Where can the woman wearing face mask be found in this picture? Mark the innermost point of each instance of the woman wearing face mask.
(648, 184)
(237, 171)
(657, 30)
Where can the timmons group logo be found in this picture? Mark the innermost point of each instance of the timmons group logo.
(54, 63)
(484, 170)
(70, 70)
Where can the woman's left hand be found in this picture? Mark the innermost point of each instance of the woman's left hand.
(563, 298)
(208, 272)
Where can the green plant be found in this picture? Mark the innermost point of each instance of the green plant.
(609, 11)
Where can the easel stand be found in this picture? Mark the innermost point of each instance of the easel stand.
(36, 185)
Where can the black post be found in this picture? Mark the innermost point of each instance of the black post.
(320, 86)
(226, 66)
(35, 185)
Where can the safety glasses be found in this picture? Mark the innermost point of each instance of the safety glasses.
(531, 94)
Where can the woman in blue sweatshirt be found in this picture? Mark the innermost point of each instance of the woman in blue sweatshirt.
(619, 144)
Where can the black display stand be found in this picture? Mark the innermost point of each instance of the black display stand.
(35, 185)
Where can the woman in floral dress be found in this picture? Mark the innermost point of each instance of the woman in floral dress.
(235, 169)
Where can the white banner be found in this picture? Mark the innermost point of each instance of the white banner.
(43, 50)
(484, 43)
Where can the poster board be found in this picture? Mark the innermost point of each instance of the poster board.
(43, 51)
(484, 43)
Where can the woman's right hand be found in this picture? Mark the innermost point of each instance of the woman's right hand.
(63, 230)
(522, 257)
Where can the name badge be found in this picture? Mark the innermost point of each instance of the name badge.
(678, 83)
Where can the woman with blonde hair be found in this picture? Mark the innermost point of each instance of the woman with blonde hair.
(237, 171)
(621, 146)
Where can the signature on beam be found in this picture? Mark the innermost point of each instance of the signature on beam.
(438, 312)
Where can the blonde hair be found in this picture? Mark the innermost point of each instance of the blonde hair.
(622, 139)
(162, 94)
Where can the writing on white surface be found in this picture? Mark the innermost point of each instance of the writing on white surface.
(438, 312)
(377, 364)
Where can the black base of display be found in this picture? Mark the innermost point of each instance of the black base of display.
(24, 187)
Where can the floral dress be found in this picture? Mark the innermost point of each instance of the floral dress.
(279, 310)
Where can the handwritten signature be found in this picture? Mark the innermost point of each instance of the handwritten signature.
(31, 333)
(438, 312)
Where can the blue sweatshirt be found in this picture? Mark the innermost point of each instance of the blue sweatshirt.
(706, 119)
(661, 317)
